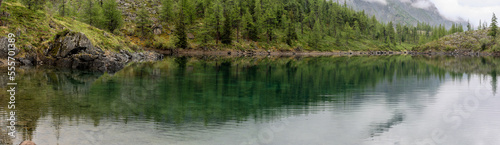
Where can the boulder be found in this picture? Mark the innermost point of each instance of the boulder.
(75, 50)
(190, 35)
(71, 43)
(4, 47)
(157, 29)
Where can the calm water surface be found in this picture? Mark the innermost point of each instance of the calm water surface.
(386, 100)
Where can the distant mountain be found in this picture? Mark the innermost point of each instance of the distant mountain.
(402, 11)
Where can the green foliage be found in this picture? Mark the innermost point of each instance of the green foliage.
(112, 16)
(34, 4)
(167, 11)
(226, 30)
(143, 22)
(92, 14)
(180, 32)
(494, 28)
(315, 37)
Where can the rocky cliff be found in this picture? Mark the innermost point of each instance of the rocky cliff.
(74, 50)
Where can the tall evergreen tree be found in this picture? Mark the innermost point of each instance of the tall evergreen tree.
(469, 27)
(33, 4)
(167, 11)
(143, 22)
(216, 19)
(247, 25)
(112, 16)
(493, 27)
(226, 29)
(63, 8)
(92, 14)
(180, 30)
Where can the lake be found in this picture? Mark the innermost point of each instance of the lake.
(213, 100)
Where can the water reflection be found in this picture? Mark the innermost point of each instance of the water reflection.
(213, 100)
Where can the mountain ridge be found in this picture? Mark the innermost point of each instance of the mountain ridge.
(409, 12)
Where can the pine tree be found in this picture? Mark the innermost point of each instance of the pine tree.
(316, 34)
(390, 33)
(206, 34)
(92, 14)
(291, 35)
(494, 28)
(479, 26)
(469, 27)
(180, 30)
(348, 32)
(167, 11)
(143, 22)
(216, 19)
(63, 8)
(258, 21)
(112, 16)
(269, 24)
(246, 24)
(226, 29)
(33, 4)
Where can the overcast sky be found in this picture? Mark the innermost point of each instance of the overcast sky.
(474, 10)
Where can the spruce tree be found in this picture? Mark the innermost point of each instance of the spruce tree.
(63, 8)
(180, 31)
(167, 11)
(315, 36)
(92, 14)
(494, 28)
(206, 34)
(247, 24)
(143, 22)
(216, 19)
(226, 29)
(33, 4)
(112, 16)
(348, 32)
(469, 27)
(291, 35)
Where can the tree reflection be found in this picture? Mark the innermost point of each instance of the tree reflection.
(215, 90)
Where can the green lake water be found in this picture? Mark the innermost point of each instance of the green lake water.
(209, 100)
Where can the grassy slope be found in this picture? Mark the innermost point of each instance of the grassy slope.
(36, 32)
(464, 41)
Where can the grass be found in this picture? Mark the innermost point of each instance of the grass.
(38, 28)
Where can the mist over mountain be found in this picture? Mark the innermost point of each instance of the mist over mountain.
(402, 11)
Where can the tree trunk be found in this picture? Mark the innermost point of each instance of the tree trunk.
(238, 33)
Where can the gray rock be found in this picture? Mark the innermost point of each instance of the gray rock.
(190, 35)
(4, 47)
(74, 50)
(70, 44)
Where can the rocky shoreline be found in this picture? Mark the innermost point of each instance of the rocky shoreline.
(75, 51)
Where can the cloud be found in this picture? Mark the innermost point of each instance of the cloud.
(423, 4)
(384, 2)
(472, 10)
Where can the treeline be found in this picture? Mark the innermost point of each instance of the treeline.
(309, 23)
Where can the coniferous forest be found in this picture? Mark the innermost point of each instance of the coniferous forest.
(246, 24)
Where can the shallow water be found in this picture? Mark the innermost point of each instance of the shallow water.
(264, 100)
